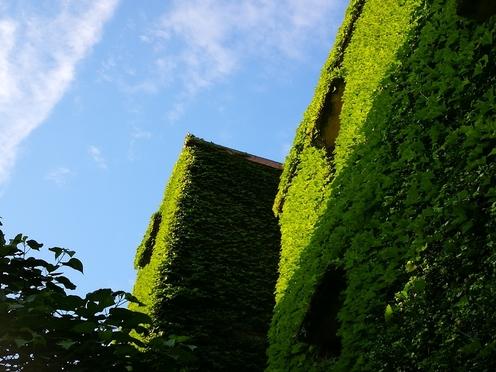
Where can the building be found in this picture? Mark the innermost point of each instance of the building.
(387, 200)
(207, 265)
(386, 206)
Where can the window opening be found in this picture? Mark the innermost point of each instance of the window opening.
(479, 10)
(320, 326)
(329, 119)
(150, 241)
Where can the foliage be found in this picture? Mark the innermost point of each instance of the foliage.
(46, 329)
(213, 260)
(406, 203)
(366, 47)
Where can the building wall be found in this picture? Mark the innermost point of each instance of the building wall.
(400, 211)
(207, 268)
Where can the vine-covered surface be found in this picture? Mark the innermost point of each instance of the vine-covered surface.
(407, 203)
(212, 268)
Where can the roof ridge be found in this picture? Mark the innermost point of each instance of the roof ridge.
(191, 139)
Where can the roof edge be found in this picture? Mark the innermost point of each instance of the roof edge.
(192, 139)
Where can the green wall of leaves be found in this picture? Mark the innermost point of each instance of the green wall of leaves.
(207, 267)
(406, 203)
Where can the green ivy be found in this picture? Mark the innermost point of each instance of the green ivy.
(213, 264)
(407, 202)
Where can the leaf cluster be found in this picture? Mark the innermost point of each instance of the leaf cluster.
(44, 327)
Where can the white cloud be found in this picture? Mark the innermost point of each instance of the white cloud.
(140, 134)
(137, 134)
(96, 155)
(59, 175)
(38, 55)
(199, 43)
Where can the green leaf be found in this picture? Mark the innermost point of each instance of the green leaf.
(15, 306)
(419, 284)
(191, 347)
(69, 252)
(9, 250)
(33, 244)
(75, 264)
(472, 347)
(102, 296)
(57, 250)
(85, 327)
(410, 266)
(65, 282)
(130, 318)
(129, 297)
(66, 344)
(18, 239)
(180, 339)
(388, 313)
(39, 340)
(20, 342)
(70, 302)
(170, 342)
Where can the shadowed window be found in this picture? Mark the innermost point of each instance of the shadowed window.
(320, 326)
(480, 10)
(150, 242)
(329, 122)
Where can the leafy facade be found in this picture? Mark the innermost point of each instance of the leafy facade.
(208, 263)
(404, 202)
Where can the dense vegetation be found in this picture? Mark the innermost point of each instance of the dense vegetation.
(387, 209)
(44, 328)
(404, 205)
(207, 264)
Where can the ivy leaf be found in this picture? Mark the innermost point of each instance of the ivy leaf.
(388, 313)
(66, 344)
(419, 284)
(14, 306)
(471, 348)
(410, 266)
(20, 342)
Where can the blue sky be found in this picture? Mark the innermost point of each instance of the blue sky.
(97, 96)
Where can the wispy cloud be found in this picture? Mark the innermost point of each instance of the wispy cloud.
(196, 44)
(38, 56)
(140, 134)
(137, 135)
(59, 175)
(96, 155)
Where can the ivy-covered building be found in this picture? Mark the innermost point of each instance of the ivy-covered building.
(387, 201)
(386, 260)
(207, 265)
